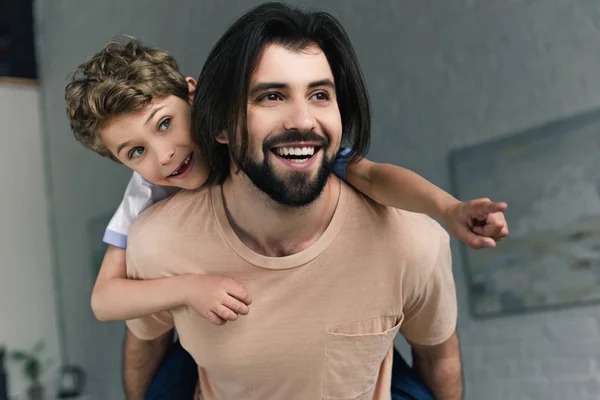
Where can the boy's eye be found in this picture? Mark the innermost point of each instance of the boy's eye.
(136, 152)
(164, 124)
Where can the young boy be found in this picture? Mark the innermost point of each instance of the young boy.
(130, 103)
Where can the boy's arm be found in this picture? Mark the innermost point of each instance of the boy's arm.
(479, 223)
(399, 187)
(115, 297)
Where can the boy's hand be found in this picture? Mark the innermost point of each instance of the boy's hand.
(478, 223)
(217, 298)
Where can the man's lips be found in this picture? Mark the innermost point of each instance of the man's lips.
(297, 156)
(296, 151)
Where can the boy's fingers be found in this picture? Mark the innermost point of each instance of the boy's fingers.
(481, 207)
(503, 233)
(474, 240)
(491, 231)
(215, 319)
(483, 243)
(493, 226)
(488, 243)
(236, 306)
(225, 313)
(239, 292)
(477, 241)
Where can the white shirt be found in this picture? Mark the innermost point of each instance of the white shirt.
(139, 195)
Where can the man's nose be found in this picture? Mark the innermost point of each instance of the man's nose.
(300, 117)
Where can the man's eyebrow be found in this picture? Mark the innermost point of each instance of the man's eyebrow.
(122, 146)
(261, 87)
(157, 109)
(322, 82)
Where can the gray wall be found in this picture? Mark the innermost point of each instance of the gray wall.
(441, 75)
(27, 285)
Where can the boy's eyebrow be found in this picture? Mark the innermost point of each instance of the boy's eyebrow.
(153, 113)
(122, 146)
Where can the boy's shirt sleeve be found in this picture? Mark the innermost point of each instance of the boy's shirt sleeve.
(139, 195)
(341, 161)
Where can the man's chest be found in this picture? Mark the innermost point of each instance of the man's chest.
(298, 317)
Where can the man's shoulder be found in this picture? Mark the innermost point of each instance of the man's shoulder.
(173, 208)
(419, 224)
(416, 236)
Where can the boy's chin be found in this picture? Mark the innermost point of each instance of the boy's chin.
(190, 183)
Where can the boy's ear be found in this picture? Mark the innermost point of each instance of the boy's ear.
(222, 137)
(191, 82)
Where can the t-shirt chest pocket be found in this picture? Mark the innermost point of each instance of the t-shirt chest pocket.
(355, 352)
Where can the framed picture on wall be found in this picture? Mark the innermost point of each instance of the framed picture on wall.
(550, 178)
(17, 44)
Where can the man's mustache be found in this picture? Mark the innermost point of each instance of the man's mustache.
(295, 137)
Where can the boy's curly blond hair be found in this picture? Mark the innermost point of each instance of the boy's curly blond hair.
(123, 77)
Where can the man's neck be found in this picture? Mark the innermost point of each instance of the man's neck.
(270, 228)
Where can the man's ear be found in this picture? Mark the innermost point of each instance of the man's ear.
(191, 82)
(222, 137)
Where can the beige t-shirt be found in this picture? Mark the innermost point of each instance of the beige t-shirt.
(322, 321)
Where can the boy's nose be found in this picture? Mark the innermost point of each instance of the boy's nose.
(166, 157)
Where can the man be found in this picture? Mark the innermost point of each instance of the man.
(333, 275)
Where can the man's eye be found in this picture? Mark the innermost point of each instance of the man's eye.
(164, 124)
(136, 152)
(270, 97)
(321, 96)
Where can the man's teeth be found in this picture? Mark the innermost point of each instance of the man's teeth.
(295, 151)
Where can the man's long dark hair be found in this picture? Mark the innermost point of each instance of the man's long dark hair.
(221, 98)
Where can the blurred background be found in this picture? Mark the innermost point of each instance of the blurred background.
(482, 97)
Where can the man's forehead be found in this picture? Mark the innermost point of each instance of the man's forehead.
(279, 63)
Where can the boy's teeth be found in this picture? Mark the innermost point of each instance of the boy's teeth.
(185, 162)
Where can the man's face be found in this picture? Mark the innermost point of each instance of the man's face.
(294, 124)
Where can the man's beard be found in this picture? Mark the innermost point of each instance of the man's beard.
(297, 189)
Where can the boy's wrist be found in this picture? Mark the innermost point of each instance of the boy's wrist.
(182, 288)
(446, 208)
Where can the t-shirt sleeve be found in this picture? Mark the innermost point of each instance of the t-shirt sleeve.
(152, 326)
(155, 325)
(341, 161)
(430, 316)
(139, 195)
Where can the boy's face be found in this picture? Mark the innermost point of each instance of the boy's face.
(156, 142)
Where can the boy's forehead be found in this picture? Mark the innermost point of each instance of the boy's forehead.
(278, 63)
(122, 127)
(146, 112)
